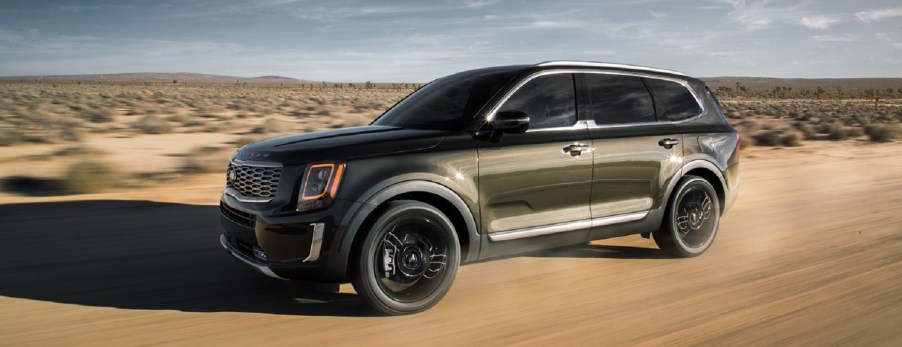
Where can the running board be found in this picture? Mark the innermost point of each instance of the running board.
(565, 227)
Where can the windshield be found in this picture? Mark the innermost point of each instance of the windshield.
(448, 102)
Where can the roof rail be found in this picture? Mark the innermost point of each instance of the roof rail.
(607, 65)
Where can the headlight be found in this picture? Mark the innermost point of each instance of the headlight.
(320, 186)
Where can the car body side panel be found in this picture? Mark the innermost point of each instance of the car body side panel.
(632, 173)
(526, 180)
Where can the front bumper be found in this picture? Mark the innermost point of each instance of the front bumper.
(284, 243)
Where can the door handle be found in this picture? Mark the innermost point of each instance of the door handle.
(668, 143)
(576, 149)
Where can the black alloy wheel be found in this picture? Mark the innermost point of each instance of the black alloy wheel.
(691, 220)
(408, 259)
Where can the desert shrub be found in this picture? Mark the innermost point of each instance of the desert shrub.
(826, 128)
(70, 134)
(854, 132)
(270, 125)
(151, 124)
(790, 139)
(89, 177)
(807, 131)
(748, 125)
(216, 127)
(177, 118)
(745, 141)
(9, 137)
(883, 132)
(837, 134)
(74, 150)
(768, 138)
(32, 186)
(203, 165)
(98, 116)
(246, 140)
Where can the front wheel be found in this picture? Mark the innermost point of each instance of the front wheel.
(691, 220)
(408, 259)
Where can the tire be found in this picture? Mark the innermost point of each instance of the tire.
(691, 220)
(392, 273)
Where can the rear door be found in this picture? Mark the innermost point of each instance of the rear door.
(636, 156)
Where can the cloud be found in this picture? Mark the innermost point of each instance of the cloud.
(479, 3)
(876, 15)
(556, 24)
(888, 38)
(657, 14)
(756, 15)
(837, 38)
(819, 22)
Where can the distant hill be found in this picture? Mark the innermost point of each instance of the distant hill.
(765, 83)
(754, 85)
(159, 77)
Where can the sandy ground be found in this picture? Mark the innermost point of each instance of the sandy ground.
(810, 255)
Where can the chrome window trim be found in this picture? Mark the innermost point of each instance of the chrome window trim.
(608, 65)
(685, 84)
(565, 227)
(524, 81)
(316, 243)
(591, 123)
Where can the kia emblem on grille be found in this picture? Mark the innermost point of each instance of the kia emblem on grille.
(232, 176)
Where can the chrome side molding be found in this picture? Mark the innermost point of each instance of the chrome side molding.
(565, 227)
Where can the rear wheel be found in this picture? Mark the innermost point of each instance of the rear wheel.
(408, 259)
(691, 220)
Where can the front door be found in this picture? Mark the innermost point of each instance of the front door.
(538, 182)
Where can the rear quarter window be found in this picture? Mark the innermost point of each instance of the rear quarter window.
(674, 102)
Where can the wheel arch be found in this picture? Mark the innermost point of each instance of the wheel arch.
(434, 194)
(709, 172)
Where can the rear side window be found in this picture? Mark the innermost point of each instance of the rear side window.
(616, 99)
(548, 100)
(673, 100)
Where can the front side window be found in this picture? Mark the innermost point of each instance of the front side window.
(618, 99)
(548, 100)
(674, 100)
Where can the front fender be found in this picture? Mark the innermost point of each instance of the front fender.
(352, 224)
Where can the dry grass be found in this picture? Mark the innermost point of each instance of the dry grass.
(49, 131)
(771, 121)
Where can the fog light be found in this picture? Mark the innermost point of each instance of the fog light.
(258, 253)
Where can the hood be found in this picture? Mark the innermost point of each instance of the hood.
(340, 144)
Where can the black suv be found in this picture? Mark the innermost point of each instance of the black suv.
(481, 164)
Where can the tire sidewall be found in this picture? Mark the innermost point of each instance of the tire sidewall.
(366, 271)
(684, 188)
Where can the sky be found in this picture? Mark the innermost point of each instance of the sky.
(417, 41)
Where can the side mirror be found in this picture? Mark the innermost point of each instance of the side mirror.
(513, 122)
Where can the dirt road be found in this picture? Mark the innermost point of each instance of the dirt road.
(810, 254)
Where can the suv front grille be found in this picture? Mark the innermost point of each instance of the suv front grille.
(240, 217)
(253, 181)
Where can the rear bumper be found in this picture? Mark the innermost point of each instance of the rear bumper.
(731, 194)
